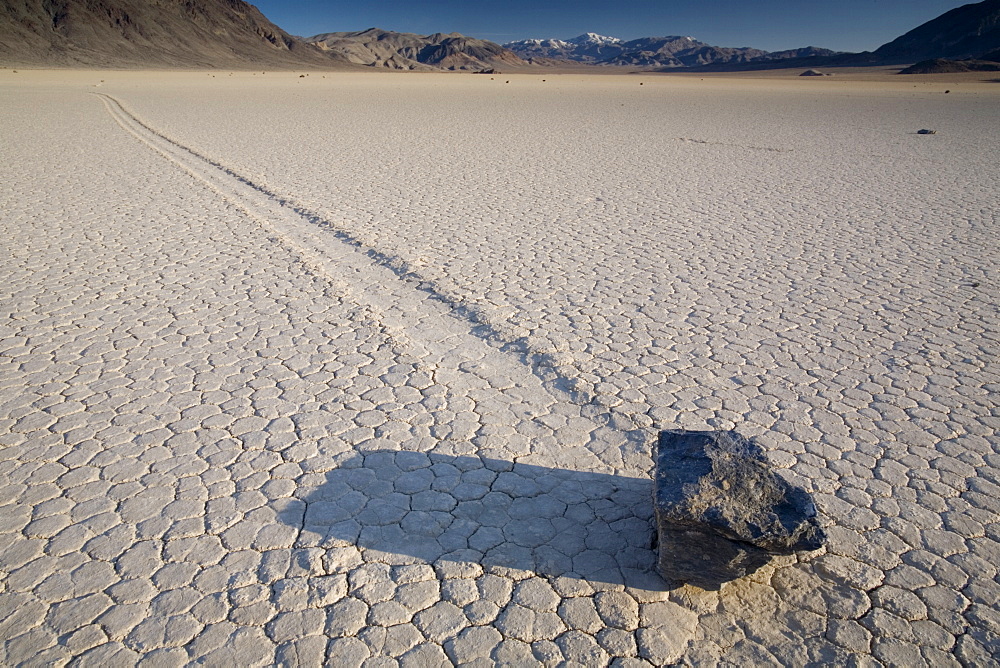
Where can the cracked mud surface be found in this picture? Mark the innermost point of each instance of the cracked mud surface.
(366, 371)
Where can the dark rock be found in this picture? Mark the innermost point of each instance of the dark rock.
(721, 512)
(812, 73)
(488, 70)
(926, 132)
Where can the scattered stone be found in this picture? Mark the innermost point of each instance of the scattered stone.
(721, 512)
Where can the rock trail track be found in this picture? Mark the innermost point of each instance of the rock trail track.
(438, 328)
(234, 433)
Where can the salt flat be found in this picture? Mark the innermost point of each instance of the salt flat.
(366, 368)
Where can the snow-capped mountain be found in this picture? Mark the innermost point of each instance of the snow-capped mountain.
(586, 48)
(671, 51)
(593, 39)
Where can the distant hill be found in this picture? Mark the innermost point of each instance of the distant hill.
(964, 32)
(145, 33)
(656, 52)
(408, 51)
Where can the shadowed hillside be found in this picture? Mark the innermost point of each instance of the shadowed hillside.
(137, 33)
(964, 32)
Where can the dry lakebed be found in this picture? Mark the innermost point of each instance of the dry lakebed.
(366, 369)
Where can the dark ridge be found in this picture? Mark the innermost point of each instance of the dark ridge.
(963, 32)
(943, 66)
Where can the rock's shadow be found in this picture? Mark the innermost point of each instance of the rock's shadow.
(433, 507)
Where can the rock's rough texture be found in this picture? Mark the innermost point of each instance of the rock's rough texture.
(721, 512)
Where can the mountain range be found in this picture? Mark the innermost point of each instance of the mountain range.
(235, 34)
(659, 52)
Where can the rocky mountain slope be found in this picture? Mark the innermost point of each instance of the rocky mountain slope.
(408, 51)
(144, 33)
(965, 32)
(661, 52)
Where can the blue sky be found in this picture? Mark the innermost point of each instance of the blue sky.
(845, 25)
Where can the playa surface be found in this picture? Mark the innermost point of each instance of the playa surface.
(367, 368)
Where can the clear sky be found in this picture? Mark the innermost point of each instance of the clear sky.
(844, 25)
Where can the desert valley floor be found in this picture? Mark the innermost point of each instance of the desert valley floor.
(366, 369)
